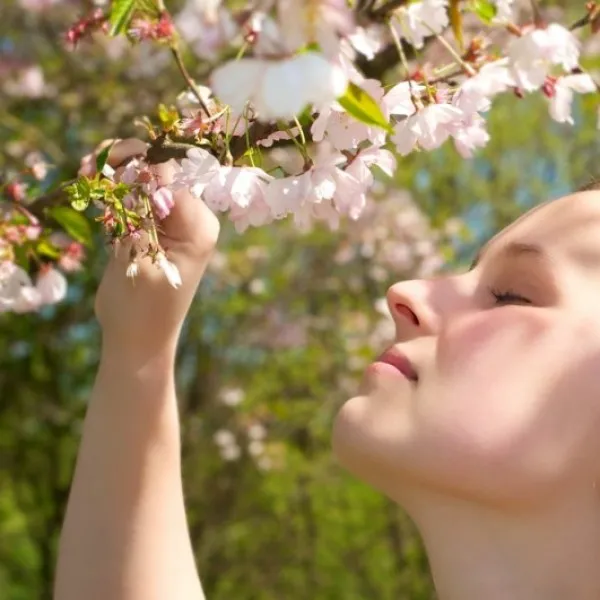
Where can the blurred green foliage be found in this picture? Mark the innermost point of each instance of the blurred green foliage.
(280, 316)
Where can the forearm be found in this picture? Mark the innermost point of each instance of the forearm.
(125, 534)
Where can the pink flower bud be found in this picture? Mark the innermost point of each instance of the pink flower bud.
(162, 200)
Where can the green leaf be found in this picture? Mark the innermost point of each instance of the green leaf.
(102, 158)
(47, 249)
(363, 108)
(120, 15)
(74, 223)
(79, 194)
(485, 10)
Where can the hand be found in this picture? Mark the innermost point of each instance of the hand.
(144, 315)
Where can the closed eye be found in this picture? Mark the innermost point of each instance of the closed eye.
(508, 297)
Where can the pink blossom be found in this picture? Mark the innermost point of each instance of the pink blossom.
(469, 134)
(318, 21)
(196, 171)
(162, 201)
(207, 26)
(323, 193)
(38, 165)
(532, 54)
(242, 186)
(360, 165)
(419, 20)
(561, 91)
(72, 258)
(368, 41)
(428, 128)
(343, 131)
(241, 190)
(38, 5)
(475, 93)
(399, 100)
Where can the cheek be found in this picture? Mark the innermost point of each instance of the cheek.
(515, 399)
(471, 344)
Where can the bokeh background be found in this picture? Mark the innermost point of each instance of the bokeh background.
(281, 330)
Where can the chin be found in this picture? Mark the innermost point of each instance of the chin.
(362, 445)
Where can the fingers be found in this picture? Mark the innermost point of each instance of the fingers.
(124, 149)
(121, 151)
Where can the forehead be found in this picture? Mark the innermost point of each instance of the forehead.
(568, 226)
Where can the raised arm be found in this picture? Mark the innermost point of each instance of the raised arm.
(125, 534)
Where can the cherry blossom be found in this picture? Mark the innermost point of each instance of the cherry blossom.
(428, 128)
(560, 92)
(51, 285)
(279, 89)
(320, 21)
(419, 20)
(284, 103)
(169, 269)
(475, 93)
(241, 190)
(196, 171)
(342, 130)
(207, 26)
(532, 54)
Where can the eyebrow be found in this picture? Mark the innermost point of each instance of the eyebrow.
(514, 249)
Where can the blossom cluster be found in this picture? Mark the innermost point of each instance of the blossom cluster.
(290, 73)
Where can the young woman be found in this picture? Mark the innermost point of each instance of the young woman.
(482, 420)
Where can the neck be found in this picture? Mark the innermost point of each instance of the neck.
(551, 553)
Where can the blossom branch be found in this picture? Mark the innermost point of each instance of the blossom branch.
(175, 51)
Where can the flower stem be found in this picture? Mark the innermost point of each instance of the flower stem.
(398, 43)
(190, 82)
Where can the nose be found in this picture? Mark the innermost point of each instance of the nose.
(410, 304)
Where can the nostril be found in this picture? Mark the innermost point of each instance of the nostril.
(404, 310)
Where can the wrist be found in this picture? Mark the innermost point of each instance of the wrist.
(155, 360)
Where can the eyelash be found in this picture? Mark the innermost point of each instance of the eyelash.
(508, 297)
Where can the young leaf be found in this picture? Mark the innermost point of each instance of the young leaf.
(362, 107)
(120, 15)
(102, 158)
(79, 194)
(74, 223)
(485, 10)
(47, 249)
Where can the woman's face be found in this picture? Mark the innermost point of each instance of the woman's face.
(506, 408)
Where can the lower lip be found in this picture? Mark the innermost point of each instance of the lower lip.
(382, 368)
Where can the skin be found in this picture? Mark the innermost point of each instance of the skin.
(494, 451)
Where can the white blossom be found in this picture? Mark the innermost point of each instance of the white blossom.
(532, 54)
(475, 93)
(279, 89)
(561, 95)
(422, 19)
(427, 128)
(320, 21)
(169, 269)
(52, 286)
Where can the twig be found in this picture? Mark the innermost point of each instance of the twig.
(384, 11)
(590, 17)
(191, 83)
(455, 55)
(415, 100)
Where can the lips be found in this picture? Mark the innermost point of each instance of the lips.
(396, 359)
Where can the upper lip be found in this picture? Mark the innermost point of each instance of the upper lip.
(396, 358)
